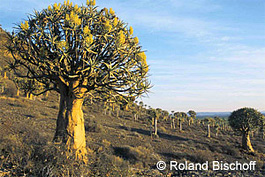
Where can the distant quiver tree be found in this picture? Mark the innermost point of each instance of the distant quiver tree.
(191, 117)
(245, 120)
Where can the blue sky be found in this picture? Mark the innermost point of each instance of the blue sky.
(205, 55)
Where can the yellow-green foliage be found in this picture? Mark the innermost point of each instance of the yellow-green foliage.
(83, 42)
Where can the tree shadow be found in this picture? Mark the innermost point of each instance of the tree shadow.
(123, 127)
(15, 105)
(141, 131)
(29, 116)
(161, 135)
(176, 155)
(172, 137)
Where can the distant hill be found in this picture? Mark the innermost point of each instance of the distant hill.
(213, 114)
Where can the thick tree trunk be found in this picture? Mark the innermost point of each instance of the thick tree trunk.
(246, 144)
(70, 129)
(208, 131)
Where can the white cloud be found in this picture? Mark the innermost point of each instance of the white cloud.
(241, 54)
(169, 16)
(198, 5)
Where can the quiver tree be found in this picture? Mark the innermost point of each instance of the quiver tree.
(165, 115)
(117, 109)
(244, 121)
(135, 111)
(28, 86)
(218, 120)
(107, 108)
(192, 116)
(4, 71)
(180, 116)
(110, 100)
(155, 115)
(128, 103)
(218, 124)
(262, 129)
(209, 121)
(172, 120)
(177, 116)
(75, 50)
(183, 116)
(141, 108)
(225, 124)
(217, 129)
(19, 82)
(117, 103)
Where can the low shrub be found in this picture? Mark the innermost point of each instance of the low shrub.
(10, 89)
(162, 130)
(230, 150)
(201, 156)
(140, 155)
(109, 165)
(93, 126)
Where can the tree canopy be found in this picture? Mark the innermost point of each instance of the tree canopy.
(245, 120)
(66, 43)
(192, 114)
